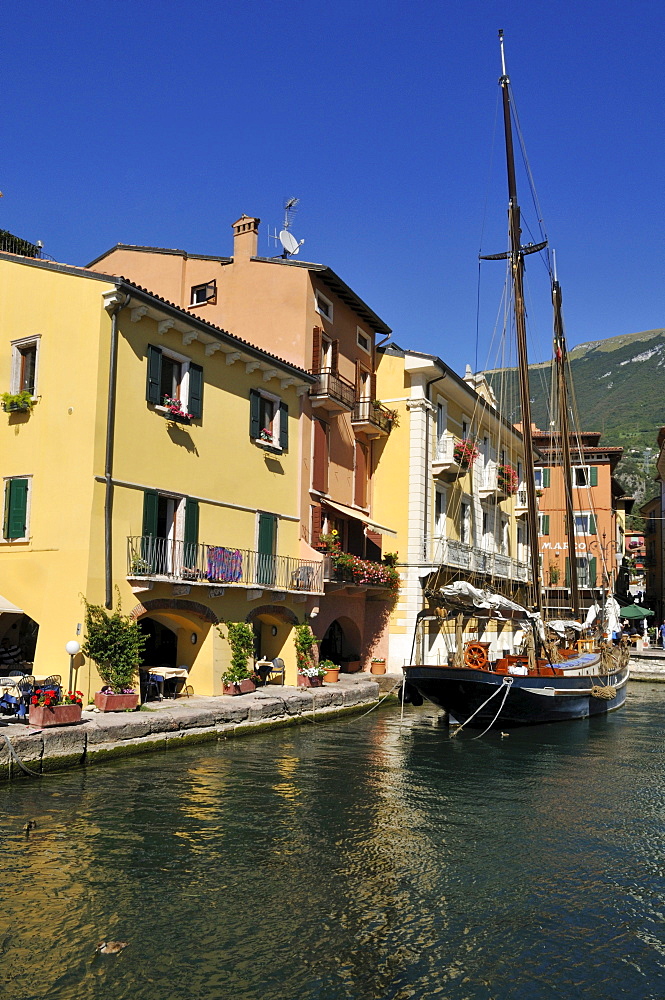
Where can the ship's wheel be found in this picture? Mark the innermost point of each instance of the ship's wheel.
(475, 656)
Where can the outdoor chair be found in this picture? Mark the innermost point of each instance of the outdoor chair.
(149, 685)
(24, 687)
(278, 669)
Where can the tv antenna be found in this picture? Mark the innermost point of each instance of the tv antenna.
(290, 245)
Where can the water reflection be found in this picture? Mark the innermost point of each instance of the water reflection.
(357, 859)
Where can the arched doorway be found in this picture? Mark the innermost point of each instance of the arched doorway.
(341, 642)
(161, 646)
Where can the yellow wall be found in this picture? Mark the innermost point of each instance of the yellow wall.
(61, 444)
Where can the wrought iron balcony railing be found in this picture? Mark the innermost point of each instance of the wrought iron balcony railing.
(154, 558)
(373, 417)
(332, 390)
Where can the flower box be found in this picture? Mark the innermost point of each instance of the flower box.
(309, 682)
(42, 716)
(245, 686)
(351, 667)
(115, 702)
(16, 407)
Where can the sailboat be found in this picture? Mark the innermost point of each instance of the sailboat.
(548, 680)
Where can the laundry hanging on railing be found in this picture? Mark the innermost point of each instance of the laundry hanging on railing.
(224, 565)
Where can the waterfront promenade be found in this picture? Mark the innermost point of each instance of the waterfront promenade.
(169, 724)
(647, 665)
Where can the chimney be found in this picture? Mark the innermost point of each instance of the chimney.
(245, 237)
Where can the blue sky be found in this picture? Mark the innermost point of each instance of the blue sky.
(160, 123)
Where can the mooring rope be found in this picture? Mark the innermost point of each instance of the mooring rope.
(33, 774)
(505, 687)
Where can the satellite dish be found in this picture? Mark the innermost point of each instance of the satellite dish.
(289, 242)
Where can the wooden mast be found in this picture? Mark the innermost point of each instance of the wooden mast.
(517, 265)
(560, 359)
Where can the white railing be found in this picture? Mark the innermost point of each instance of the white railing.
(445, 447)
(450, 552)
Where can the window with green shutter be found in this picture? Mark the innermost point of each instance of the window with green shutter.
(15, 523)
(195, 392)
(593, 475)
(546, 478)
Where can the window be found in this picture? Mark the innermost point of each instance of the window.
(25, 354)
(465, 523)
(585, 475)
(324, 306)
(170, 533)
(543, 524)
(440, 514)
(204, 293)
(268, 420)
(364, 342)
(441, 423)
(176, 377)
(586, 571)
(541, 478)
(15, 522)
(585, 524)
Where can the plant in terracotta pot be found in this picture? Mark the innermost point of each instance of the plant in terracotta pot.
(114, 642)
(331, 675)
(238, 678)
(378, 665)
(310, 673)
(51, 707)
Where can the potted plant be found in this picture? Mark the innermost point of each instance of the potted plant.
(50, 708)
(331, 675)
(17, 401)
(114, 642)
(176, 410)
(238, 678)
(378, 665)
(507, 480)
(310, 673)
(465, 453)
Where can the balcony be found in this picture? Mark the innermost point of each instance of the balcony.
(450, 552)
(357, 572)
(332, 392)
(372, 418)
(165, 561)
(444, 464)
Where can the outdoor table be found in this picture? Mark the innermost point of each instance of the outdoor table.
(169, 674)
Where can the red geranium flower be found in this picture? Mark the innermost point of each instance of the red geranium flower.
(34, 700)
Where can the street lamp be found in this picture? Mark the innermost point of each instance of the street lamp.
(73, 647)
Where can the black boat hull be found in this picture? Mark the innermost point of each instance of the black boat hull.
(530, 701)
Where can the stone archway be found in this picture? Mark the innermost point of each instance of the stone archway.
(173, 604)
(342, 641)
(273, 625)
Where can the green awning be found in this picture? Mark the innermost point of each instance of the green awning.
(633, 611)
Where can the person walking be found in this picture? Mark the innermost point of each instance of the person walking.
(662, 635)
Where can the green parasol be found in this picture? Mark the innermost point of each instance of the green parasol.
(633, 611)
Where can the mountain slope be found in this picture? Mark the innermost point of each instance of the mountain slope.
(619, 390)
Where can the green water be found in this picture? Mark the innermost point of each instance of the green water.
(351, 860)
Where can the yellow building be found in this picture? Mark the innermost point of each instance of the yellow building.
(160, 456)
(311, 317)
(452, 522)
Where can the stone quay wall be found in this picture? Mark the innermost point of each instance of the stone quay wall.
(169, 724)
